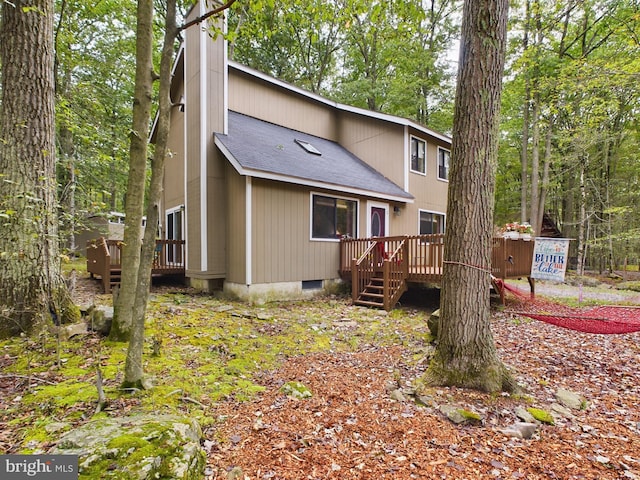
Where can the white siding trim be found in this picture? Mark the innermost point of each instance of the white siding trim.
(385, 206)
(225, 84)
(406, 156)
(204, 136)
(249, 230)
(185, 144)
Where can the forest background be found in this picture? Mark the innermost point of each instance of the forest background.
(569, 130)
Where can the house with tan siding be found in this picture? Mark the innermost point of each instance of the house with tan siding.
(264, 178)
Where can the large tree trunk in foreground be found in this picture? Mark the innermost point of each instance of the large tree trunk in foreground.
(466, 354)
(32, 290)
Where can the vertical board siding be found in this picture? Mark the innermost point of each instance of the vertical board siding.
(282, 249)
(258, 99)
(217, 225)
(236, 230)
(193, 226)
(173, 187)
(379, 143)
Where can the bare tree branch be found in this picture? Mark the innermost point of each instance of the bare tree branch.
(207, 15)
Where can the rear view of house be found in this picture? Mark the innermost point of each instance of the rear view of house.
(264, 178)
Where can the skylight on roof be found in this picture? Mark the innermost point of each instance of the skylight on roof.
(308, 147)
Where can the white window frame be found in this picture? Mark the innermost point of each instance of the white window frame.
(171, 253)
(442, 214)
(337, 197)
(173, 211)
(385, 206)
(440, 149)
(411, 139)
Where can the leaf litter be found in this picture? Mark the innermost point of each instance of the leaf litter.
(362, 419)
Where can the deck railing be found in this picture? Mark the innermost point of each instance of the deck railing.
(385, 261)
(394, 274)
(424, 253)
(419, 258)
(104, 259)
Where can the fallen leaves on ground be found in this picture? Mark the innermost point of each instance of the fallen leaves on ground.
(362, 420)
(351, 428)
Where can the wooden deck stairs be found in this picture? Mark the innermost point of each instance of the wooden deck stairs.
(381, 268)
(379, 278)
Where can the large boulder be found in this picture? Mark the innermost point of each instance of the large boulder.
(136, 448)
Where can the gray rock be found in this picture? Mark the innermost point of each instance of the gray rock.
(223, 308)
(397, 395)
(425, 401)
(570, 399)
(459, 415)
(68, 331)
(525, 416)
(138, 447)
(235, 474)
(99, 319)
(561, 410)
(56, 427)
(521, 430)
(296, 390)
(434, 322)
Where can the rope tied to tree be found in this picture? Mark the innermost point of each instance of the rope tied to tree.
(469, 265)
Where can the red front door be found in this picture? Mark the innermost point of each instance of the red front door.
(378, 227)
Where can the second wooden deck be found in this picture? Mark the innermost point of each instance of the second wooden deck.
(104, 260)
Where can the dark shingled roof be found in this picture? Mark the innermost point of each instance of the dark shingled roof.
(258, 147)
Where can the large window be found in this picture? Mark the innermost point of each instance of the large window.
(333, 218)
(431, 223)
(443, 163)
(418, 156)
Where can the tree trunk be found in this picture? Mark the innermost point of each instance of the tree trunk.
(537, 224)
(466, 355)
(32, 290)
(524, 143)
(535, 155)
(582, 222)
(123, 315)
(133, 375)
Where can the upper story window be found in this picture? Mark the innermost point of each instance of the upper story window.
(443, 163)
(332, 218)
(418, 156)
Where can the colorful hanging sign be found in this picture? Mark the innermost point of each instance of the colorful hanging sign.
(550, 257)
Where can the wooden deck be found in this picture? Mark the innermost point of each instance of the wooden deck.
(104, 260)
(380, 268)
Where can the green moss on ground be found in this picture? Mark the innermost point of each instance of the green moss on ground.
(541, 415)
(209, 349)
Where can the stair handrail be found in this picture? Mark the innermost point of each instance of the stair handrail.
(359, 274)
(395, 270)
